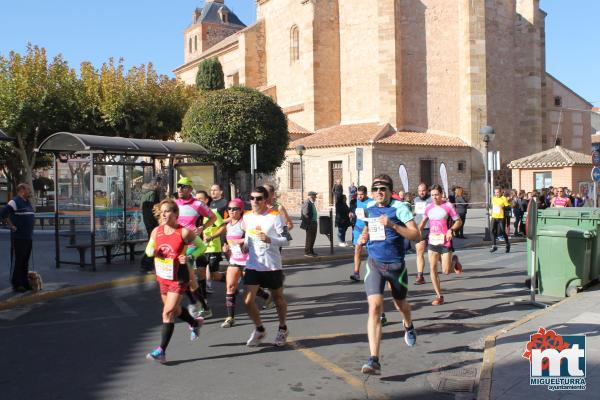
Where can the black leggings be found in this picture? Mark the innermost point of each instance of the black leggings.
(499, 228)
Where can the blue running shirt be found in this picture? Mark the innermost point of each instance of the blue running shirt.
(385, 244)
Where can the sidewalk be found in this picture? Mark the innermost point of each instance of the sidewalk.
(505, 373)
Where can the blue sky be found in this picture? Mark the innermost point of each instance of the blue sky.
(151, 30)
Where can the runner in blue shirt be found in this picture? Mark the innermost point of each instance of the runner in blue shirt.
(388, 224)
(357, 213)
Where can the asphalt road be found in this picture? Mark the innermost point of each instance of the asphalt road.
(93, 346)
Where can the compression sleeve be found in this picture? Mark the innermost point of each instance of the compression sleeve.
(198, 248)
(150, 248)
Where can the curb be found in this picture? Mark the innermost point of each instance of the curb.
(484, 391)
(133, 280)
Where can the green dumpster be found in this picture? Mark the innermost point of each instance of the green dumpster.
(563, 259)
(586, 218)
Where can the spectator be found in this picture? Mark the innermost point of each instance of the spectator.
(352, 190)
(519, 211)
(337, 190)
(461, 208)
(309, 222)
(150, 197)
(20, 217)
(342, 220)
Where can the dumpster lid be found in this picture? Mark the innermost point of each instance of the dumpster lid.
(565, 231)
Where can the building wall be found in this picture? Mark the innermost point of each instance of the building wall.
(569, 177)
(575, 125)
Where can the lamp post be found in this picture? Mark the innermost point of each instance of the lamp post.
(487, 134)
(300, 149)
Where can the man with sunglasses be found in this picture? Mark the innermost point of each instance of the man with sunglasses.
(264, 237)
(421, 202)
(388, 224)
(191, 214)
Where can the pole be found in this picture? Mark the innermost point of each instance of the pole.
(487, 236)
(92, 215)
(301, 180)
(331, 231)
(595, 194)
(56, 235)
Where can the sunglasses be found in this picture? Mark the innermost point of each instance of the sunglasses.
(257, 198)
(379, 189)
(233, 208)
(183, 186)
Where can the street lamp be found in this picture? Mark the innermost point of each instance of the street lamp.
(487, 134)
(300, 149)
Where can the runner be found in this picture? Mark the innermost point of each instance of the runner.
(440, 238)
(211, 259)
(561, 199)
(167, 245)
(237, 258)
(421, 202)
(358, 214)
(264, 230)
(389, 223)
(499, 202)
(191, 212)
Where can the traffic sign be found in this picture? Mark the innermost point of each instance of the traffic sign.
(596, 158)
(359, 158)
(596, 174)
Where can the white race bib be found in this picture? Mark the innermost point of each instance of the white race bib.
(437, 239)
(164, 268)
(420, 208)
(360, 213)
(497, 209)
(376, 229)
(236, 250)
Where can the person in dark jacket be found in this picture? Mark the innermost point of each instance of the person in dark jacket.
(20, 216)
(342, 220)
(461, 208)
(309, 221)
(150, 197)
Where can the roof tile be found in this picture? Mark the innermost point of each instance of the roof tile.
(555, 157)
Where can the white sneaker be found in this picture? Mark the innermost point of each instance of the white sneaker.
(194, 309)
(343, 244)
(256, 338)
(281, 338)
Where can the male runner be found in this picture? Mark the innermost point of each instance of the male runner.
(440, 238)
(357, 213)
(388, 223)
(421, 202)
(499, 202)
(191, 212)
(264, 237)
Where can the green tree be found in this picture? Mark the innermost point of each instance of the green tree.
(226, 122)
(210, 75)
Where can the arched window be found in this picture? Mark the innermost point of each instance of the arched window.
(190, 45)
(294, 44)
(195, 42)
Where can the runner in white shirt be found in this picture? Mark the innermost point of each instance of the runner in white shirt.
(264, 229)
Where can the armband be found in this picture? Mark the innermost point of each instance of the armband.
(199, 247)
(150, 248)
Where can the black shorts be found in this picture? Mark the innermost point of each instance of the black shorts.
(424, 235)
(379, 273)
(264, 279)
(439, 249)
(211, 260)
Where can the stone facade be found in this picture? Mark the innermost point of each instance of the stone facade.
(436, 66)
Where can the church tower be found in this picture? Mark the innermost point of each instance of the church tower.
(211, 23)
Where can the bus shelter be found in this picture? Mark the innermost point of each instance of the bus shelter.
(98, 185)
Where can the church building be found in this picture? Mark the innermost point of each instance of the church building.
(405, 81)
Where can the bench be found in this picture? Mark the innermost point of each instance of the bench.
(82, 248)
(131, 243)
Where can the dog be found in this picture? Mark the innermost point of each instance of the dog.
(35, 281)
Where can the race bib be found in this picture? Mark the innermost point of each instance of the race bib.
(360, 213)
(376, 229)
(258, 245)
(420, 208)
(497, 209)
(437, 239)
(236, 250)
(164, 268)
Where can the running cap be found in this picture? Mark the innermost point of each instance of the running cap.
(185, 181)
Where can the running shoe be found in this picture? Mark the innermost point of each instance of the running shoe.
(508, 249)
(493, 249)
(195, 330)
(456, 265)
(209, 288)
(410, 336)
(256, 338)
(383, 319)
(269, 303)
(438, 301)
(206, 313)
(228, 323)
(194, 309)
(355, 277)
(281, 338)
(372, 367)
(157, 355)
(420, 280)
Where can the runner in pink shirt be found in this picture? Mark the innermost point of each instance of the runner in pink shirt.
(440, 238)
